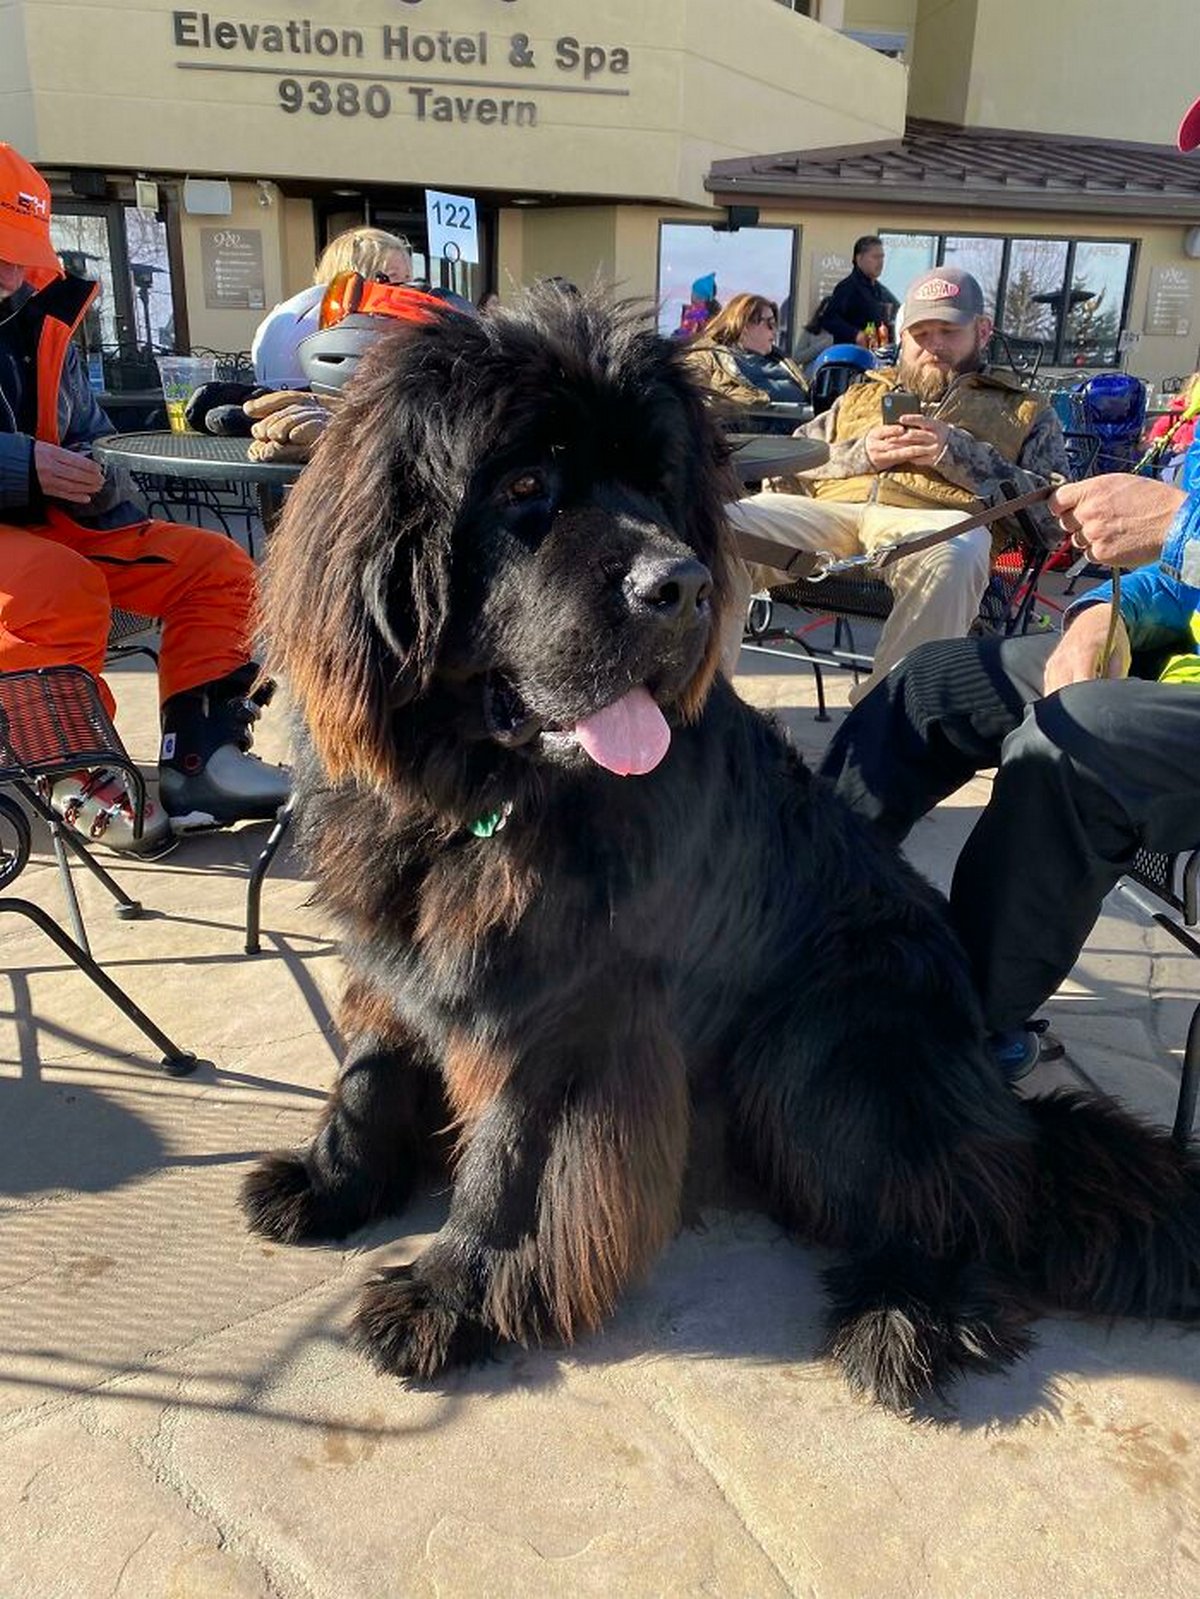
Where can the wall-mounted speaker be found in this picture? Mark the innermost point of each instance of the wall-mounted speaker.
(88, 184)
(737, 216)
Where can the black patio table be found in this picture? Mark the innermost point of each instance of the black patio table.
(200, 458)
(133, 410)
(761, 455)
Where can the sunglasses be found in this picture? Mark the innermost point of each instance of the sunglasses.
(350, 293)
(766, 319)
(385, 277)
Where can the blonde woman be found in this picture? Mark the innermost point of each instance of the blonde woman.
(737, 358)
(377, 256)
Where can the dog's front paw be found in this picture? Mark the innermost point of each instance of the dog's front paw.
(406, 1326)
(281, 1200)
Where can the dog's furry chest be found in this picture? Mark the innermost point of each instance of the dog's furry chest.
(680, 895)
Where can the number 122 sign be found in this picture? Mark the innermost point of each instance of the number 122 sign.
(450, 218)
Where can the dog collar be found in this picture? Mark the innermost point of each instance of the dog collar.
(492, 822)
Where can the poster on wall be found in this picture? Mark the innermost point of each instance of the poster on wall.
(696, 264)
(231, 264)
(828, 270)
(1169, 301)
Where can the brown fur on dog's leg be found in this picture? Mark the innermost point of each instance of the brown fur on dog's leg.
(372, 1143)
(611, 1191)
(556, 1206)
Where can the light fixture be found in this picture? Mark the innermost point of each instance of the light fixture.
(348, 194)
(266, 192)
(525, 199)
(1191, 244)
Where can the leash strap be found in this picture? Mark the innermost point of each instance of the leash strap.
(886, 554)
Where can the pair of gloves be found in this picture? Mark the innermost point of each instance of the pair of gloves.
(286, 424)
(282, 424)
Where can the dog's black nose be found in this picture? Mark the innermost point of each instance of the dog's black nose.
(669, 590)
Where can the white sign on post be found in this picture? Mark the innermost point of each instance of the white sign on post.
(450, 218)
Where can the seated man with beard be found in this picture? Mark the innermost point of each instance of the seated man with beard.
(886, 482)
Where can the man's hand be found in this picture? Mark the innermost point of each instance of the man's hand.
(65, 474)
(1118, 519)
(915, 441)
(1076, 659)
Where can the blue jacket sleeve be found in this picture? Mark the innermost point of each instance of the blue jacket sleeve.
(1181, 551)
(80, 423)
(16, 468)
(1157, 609)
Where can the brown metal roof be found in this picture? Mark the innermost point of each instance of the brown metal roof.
(983, 168)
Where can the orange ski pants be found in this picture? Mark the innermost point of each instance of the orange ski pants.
(59, 582)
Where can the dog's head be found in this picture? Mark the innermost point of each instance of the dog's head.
(508, 555)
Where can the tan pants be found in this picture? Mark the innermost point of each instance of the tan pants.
(937, 592)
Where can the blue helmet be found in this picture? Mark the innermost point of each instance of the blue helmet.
(843, 355)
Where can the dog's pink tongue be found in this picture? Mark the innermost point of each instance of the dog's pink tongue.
(628, 737)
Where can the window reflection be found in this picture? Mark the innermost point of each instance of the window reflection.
(983, 258)
(1033, 297)
(1097, 296)
(1025, 289)
(905, 257)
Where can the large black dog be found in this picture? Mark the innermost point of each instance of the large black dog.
(580, 882)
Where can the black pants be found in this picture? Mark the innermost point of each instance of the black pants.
(1086, 777)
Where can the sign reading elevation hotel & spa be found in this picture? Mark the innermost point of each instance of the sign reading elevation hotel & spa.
(435, 75)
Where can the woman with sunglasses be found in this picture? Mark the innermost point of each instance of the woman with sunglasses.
(377, 257)
(737, 358)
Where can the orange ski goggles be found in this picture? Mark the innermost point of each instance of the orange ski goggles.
(351, 294)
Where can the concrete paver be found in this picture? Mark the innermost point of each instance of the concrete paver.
(180, 1415)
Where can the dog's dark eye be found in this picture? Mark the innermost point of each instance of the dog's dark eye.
(526, 487)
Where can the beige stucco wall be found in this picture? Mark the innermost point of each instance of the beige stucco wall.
(115, 86)
(1120, 69)
(230, 329)
(880, 16)
(940, 59)
(17, 125)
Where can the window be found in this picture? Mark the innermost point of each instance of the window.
(125, 251)
(750, 261)
(1068, 295)
(1099, 286)
(982, 258)
(905, 257)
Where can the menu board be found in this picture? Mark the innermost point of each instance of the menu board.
(828, 271)
(231, 263)
(1169, 302)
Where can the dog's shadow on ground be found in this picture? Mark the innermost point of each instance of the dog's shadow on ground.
(733, 1286)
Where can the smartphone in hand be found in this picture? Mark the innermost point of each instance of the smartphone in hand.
(898, 403)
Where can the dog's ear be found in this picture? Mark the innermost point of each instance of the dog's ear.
(356, 584)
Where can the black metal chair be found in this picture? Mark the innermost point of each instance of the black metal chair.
(283, 820)
(1022, 356)
(125, 626)
(1167, 889)
(52, 724)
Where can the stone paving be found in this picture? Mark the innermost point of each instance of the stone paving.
(181, 1417)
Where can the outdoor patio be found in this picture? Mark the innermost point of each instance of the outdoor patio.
(182, 1417)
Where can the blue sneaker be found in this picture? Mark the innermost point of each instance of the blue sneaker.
(1016, 1051)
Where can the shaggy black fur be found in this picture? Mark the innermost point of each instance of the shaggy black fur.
(511, 524)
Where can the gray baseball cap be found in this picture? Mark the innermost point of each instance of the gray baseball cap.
(947, 294)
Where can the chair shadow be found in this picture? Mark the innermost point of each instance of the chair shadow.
(69, 1137)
